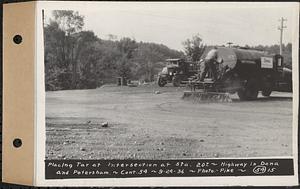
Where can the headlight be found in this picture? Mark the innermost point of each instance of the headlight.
(170, 73)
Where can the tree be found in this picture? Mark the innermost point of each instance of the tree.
(147, 56)
(127, 46)
(86, 57)
(123, 67)
(287, 55)
(55, 57)
(112, 37)
(194, 48)
(274, 49)
(70, 22)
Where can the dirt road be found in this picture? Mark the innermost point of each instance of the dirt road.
(145, 125)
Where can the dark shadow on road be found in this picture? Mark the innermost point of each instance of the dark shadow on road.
(266, 99)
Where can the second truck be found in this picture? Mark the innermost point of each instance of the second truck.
(176, 71)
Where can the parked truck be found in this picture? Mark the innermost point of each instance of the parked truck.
(246, 71)
(176, 71)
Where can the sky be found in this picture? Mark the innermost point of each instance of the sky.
(171, 23)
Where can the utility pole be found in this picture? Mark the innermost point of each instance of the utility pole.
(281, 27)
(229, 44)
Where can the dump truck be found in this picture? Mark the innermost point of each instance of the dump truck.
(176, 71)
(245, 72)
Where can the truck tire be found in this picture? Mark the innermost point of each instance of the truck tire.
(266, 92)
(267, 89)
(161, 82)
(176, 81)
(250, 91)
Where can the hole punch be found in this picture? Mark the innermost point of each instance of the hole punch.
(17, 143)
(17, 39)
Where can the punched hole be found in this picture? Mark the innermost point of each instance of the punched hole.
(17, 142)
(17, 39)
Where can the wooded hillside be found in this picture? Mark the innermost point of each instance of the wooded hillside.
(77, 59)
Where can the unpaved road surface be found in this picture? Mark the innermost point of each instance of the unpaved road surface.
(146, 125)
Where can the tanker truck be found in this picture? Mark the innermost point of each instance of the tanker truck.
(245, 72)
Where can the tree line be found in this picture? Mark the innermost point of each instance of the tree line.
(274, 49)
(78, 59)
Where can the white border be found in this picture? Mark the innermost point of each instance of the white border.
(40, 134)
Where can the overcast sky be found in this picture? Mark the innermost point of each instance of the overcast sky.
(172, 23)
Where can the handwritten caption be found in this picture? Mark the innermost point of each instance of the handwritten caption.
(63, 169)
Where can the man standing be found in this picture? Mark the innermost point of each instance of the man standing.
(209, 63)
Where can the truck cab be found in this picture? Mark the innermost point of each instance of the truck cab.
(175, 71)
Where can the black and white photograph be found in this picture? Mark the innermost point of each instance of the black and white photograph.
(150, 94)
(163, 81)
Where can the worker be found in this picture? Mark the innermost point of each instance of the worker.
(209, 63)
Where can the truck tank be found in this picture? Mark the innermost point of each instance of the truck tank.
(247, 71)
(243, 62)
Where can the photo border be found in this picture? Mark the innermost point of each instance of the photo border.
(227, 181)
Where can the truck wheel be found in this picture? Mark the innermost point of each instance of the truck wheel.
(242, 94)
(266, 92)
(268, 86)
(176, 81)
(250, 91)
(161, 82)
